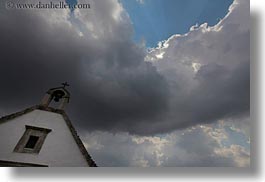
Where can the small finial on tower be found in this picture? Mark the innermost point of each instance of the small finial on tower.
(65, 84)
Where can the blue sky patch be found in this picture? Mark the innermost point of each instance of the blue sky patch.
(157, 20)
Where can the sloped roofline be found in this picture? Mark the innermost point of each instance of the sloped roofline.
(77, 139)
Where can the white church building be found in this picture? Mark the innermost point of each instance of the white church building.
(42, 136)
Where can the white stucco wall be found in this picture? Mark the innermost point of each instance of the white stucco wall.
(59, 148)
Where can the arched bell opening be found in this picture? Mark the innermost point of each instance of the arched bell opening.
(56, 97)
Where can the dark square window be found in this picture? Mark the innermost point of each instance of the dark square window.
(32, 142)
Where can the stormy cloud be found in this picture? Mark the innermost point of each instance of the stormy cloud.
(116, 85)
(215, 145)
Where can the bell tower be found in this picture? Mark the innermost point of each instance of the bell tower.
(58, 94)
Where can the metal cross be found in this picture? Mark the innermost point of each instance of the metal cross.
(65, 84)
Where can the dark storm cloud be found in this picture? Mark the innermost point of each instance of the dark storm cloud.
(112, 86)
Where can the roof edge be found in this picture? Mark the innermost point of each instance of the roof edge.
(78, 141)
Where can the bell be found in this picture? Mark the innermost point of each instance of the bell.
(56, 99)
(58, 95)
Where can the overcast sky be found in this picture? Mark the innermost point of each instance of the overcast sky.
(183, 102)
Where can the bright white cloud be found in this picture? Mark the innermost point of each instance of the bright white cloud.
(203, 145)
(237, 153)
(205, 68)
